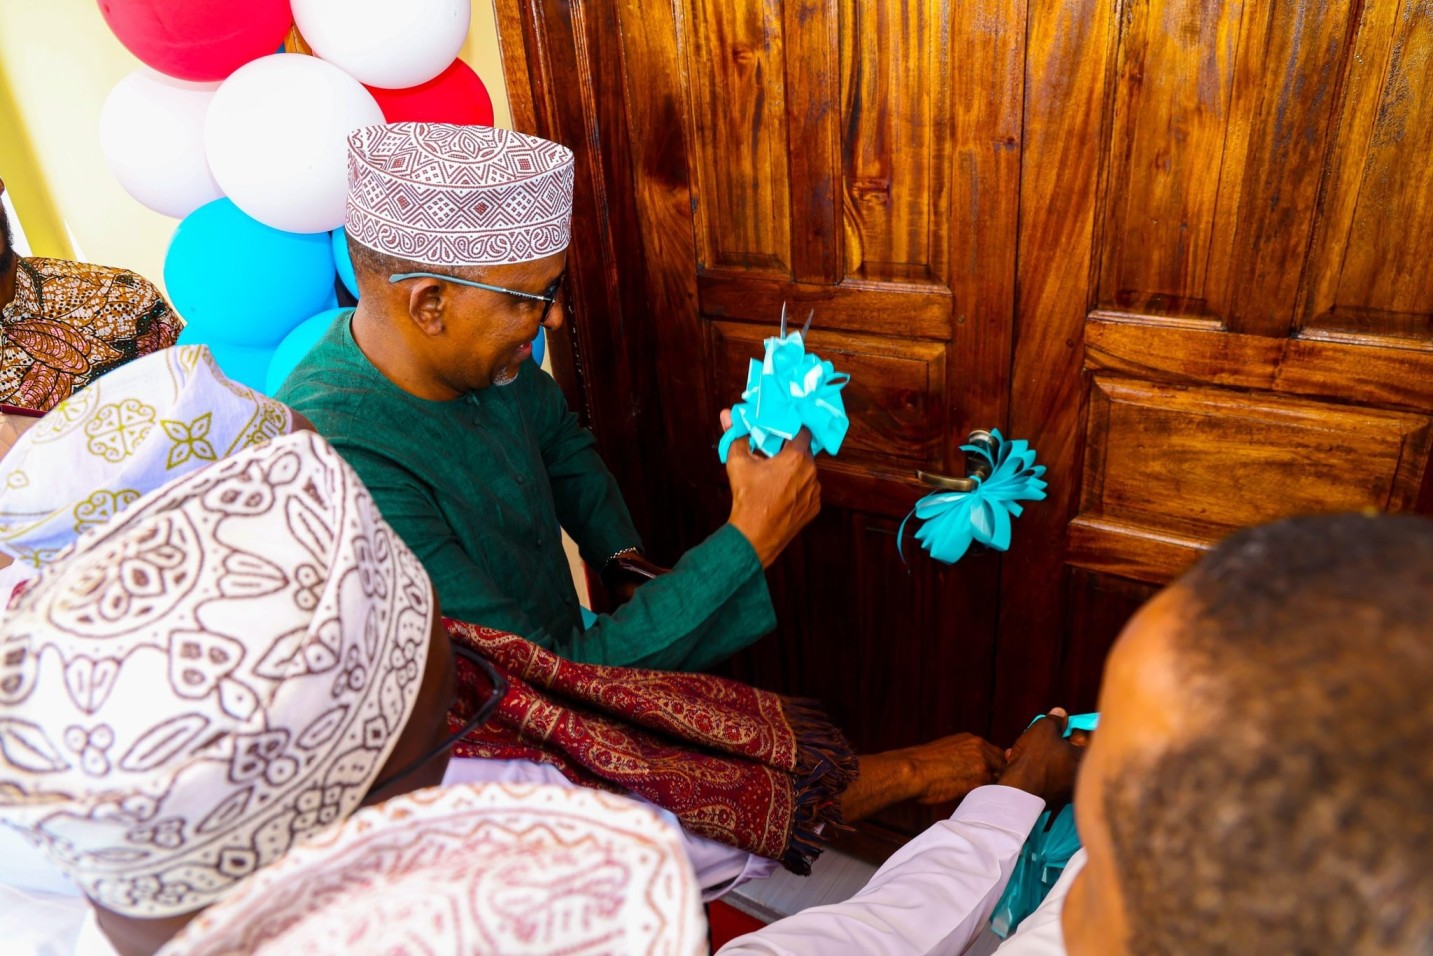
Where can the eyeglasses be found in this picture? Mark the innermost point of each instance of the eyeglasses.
(548, 295)
(500, 689)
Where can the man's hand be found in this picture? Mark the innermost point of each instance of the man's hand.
(772, 499)
(1043, 762)
(949, 768)
(940, 771)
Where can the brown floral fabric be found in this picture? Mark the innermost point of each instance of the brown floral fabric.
(71, 322)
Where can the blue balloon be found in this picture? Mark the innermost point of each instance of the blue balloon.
(296, 345)
(239, 282)
(243, 363)
(344, 261)
(539, 345)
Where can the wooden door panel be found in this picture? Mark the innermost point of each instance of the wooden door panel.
(896, 141)
(739, 159)
(1241, 142)
(1283, 366)
(852, 306)
(1178, 245)
(1174, 130)
(1232, 460)
(1292, 87)
(1371, 271)
(859, 166)
(895, 398)
(1221, 115)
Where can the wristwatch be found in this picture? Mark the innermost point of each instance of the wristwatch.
(628, 569)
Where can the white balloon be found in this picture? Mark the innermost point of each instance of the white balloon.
(390, 44)
(277, 139)
(152, 137)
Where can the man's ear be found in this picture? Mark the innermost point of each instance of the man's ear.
(427, 305)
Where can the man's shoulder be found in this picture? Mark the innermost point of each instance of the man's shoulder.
(67, 268)
(333, 373)
(352, 405)
(61, 268)
(97, 277)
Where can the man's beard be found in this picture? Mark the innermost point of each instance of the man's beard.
(506, 377)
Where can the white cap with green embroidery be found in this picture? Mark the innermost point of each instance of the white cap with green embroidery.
(129, 432)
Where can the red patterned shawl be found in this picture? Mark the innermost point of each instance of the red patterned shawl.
(745, 767)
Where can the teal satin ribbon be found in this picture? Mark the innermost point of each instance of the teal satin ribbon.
(788, 389)
(1043, 858)
(953, 520)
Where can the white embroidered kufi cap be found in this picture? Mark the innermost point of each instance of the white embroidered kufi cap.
(447, 195)
(467, 870)
(222, 668)
(142, 425)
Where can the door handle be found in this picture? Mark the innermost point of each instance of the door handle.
(977, 466)
(977, 510)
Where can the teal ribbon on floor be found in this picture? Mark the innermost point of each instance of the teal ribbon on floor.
(788, 389)
(953, 520)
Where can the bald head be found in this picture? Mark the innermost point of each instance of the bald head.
(1291, 811)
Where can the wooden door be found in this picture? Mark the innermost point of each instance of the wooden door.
(1182, 246)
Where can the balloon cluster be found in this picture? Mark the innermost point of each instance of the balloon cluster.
(247, 147)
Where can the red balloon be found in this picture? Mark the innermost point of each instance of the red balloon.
(454, 96)
(203, 40)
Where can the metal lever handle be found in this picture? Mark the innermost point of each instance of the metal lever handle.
(976, 466)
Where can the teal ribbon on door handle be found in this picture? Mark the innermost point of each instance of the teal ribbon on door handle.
(790, 388)
(954, 520)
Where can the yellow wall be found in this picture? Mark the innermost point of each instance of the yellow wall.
(58, 62)
(482, 54)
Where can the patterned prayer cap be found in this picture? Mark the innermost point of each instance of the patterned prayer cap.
(130, 431)
(467, 870)
(447, 195)
(220, 669)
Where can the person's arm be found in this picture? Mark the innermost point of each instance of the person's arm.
(933, 896)
(711, 604)
(589, 504)
(936, 894)
(772, 498)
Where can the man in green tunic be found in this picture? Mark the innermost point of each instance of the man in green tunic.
(458, 236)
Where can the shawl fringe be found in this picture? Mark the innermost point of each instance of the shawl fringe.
(825, 768)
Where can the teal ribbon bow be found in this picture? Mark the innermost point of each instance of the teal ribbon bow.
(953, 520)
(789, 388)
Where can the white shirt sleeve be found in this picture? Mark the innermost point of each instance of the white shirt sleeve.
(932, 896)
(40, 924)
(719, 868)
